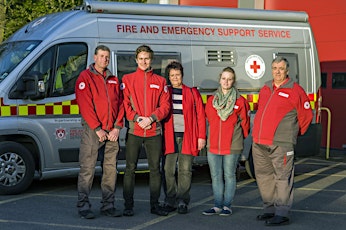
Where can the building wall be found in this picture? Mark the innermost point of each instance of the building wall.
(326, 18)
(333, 97)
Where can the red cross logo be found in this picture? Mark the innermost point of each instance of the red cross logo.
(254, 66)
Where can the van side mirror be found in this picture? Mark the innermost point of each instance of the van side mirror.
(29, 86)
(34, 86)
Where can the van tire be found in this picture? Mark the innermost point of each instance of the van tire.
(17, 168)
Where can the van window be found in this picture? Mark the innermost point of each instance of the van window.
(12, 53)
(59, 68)
(126, 62)
(71, 59)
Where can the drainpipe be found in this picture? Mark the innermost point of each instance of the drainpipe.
(329, 121)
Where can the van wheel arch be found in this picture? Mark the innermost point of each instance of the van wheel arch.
(17, 168)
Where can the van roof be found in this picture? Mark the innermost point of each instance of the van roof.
(193, 11)
(85, 20)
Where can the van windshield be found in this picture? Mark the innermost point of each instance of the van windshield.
(12, 53)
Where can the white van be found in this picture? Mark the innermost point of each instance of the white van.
(40, 126)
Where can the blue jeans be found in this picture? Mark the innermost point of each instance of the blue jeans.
(223, 176)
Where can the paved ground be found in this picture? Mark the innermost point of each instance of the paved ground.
(320, 203)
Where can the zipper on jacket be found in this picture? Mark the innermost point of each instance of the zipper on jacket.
(145, 99)
(220, 132)
(108, 100)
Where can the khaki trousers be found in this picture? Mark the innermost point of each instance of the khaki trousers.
(88, 154)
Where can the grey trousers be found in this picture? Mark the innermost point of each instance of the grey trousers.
(178, 185)
(274, 170)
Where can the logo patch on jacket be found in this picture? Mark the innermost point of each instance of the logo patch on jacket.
(284, 94)
(122, 86)
(236, 107)
(81, 85)
(112, 82)
(307, 105)
(153, 86)
(290, 153)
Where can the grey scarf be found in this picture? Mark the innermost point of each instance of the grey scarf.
(224, 104)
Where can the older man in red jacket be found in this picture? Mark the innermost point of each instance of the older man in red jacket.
(283, 113)
(100, 103)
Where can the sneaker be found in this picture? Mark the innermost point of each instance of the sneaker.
(158, 211)
(86, 214)
(212, 211)
(112, 212)
(182, 209)
(168, 208)
(225, 211)
(128, 212)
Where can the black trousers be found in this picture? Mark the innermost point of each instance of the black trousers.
(153, 149)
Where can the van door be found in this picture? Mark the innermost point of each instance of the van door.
(51, 116)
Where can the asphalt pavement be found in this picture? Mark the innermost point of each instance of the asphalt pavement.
(319, 203)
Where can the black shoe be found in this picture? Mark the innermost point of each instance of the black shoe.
(111, 212)
(182, 209)
(265, 216)
(277, 221)
(168, 208)
(128, 212)
(86, 214)
(158, 211)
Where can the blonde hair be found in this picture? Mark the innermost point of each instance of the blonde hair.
(228, 69)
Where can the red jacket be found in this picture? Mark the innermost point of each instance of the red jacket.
(282, 114)
(145, 94)
(227, 137)
(99, 99)
(194, 122)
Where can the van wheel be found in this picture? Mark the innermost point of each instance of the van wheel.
(17, 168)
(249, 166)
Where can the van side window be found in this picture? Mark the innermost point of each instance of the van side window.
(58, 68)
(126, 62)
(36, 72)
(71, 59)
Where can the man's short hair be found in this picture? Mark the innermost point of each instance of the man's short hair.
(102, 47)
(280, 59)
(145, 48)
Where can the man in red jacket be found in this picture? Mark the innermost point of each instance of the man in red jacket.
(146, 103)
(100, 103)
(283, 113)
